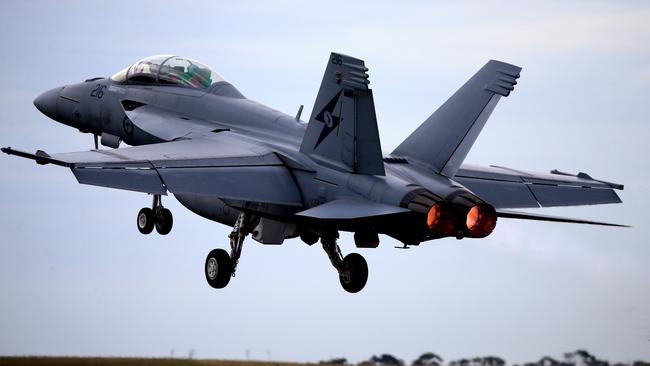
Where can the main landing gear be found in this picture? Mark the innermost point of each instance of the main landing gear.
(221, 266)
(157, 216)
(353, 269)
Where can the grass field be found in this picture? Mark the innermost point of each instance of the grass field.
(118, 361)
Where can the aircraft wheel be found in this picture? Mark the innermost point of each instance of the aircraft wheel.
(356, 276)
(218, 268)
(164, 221)
(145, 220)
(309, 237)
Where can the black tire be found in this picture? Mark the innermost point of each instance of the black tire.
(357, 269)
(309, 237)
(218, 268)
(164, 221)
(145, 221)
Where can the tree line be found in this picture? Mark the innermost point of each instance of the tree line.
(576, 358)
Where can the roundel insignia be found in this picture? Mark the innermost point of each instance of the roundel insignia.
(127, 125)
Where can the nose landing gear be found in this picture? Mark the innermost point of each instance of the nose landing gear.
(157, 216)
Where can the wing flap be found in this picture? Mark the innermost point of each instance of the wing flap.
(269, 184)
(139, 180)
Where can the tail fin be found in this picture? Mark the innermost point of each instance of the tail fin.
(342, 130)
(444, 139)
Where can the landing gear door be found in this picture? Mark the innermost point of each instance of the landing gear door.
(269, 231)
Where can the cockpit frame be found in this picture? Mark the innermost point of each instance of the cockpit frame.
(170, 70)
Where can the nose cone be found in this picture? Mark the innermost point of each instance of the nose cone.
(46, 102)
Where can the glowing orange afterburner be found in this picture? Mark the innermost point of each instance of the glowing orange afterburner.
(481, 220)
(440, 220)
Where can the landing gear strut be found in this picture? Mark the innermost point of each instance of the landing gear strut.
(352, 269)
(221, 266)
(157, 216)
(237, 237)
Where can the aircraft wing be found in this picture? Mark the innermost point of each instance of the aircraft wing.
(509, 188)
(225, 166)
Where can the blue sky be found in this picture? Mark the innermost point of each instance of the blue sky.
(77, 278)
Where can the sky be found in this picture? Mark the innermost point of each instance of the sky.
(77, 278)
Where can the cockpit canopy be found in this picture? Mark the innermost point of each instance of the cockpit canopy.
(168, 70)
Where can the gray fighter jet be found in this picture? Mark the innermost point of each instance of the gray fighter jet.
(265, 173)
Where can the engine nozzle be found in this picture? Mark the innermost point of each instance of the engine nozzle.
(458, 214)
(441, 220)
(481, 220)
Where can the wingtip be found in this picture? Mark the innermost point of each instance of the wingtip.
(583, 175)
(511, 68)
(614, 225)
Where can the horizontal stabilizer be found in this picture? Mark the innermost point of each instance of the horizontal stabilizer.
(530, 216)
(350, 209)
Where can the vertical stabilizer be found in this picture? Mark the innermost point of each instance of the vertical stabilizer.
(443, 141)
(342, 130)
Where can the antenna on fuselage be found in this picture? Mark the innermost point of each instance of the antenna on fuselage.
(299, 112)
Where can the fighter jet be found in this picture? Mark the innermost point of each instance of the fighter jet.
(265, 173)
